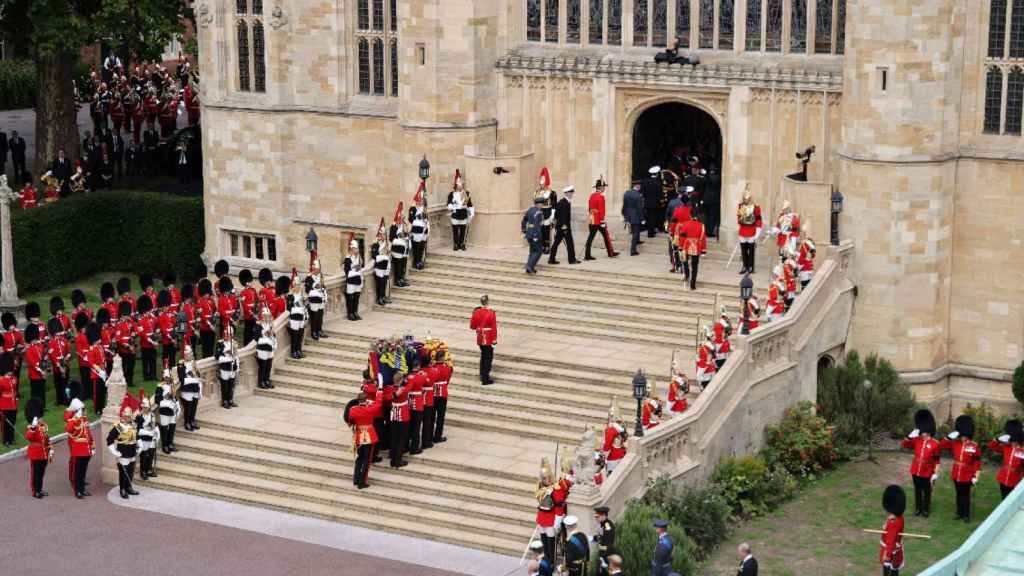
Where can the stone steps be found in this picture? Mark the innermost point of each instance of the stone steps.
(327, 506)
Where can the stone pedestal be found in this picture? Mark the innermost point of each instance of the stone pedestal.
(116, 387)
(499, 199)
(9, 301)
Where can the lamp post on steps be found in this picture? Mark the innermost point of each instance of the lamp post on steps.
(639, 392)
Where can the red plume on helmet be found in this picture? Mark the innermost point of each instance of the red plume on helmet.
(382, 230)
(398, 213)
(545, 178)
(457, 182)
(295, 274)
(418, 198)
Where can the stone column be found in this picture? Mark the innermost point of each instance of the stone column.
(116, 388)
(9, 301)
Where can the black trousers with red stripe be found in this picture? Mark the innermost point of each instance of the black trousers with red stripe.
(37, 470)
(364, 457)
(77, 469)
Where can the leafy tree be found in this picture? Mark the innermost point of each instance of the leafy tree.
(1018, 383)
(55, 31)
(856, 410)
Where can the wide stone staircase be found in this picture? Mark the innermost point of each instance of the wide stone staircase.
(288, 450)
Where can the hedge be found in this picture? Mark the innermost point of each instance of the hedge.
(126, 231)
(18, 84)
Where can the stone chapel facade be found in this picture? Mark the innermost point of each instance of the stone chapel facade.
(316, 114)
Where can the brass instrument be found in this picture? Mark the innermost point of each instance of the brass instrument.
(669, 184)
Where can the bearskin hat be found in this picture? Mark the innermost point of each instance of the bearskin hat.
(308, 283)
(54, 326)
(894, 500)
(56, 304)
(77, 297)
(106, 291)
(8, 320)
(6, 364)
(81, 321)
(1015, 429)
(348, 407)
(244, 277)
(31, 333)
(964, 425)
(282, 286)
(92, 332)
(145, 281)
(124, 285)
(188, 291)
(32, 310)
(103, 316)
(169, 278)
(144, 304)
(34, 409)
(225, 285)
(124, 309)
(163, 298)
(266, 276)
(221, 268)
(205, 287)
(925, 421)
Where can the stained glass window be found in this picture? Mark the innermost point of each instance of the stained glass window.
(243, 57)
(639, 22)
(659, 23)
(823, 27)
(753, 43)
(993, 99)
(597, 21)
(259, 57)
(363, 14)
(1017, 30)
(378, 15)
(364, 66)
(707, 24)
(773, 27)
(532, 20)
(840, 26)
(240, 7)
(257, 7)
(614, 22)
(572, 21)
(1014, 100)
(551, 20)
(798, 27)
(378, 66)
(725, 24)
(394, 15)
(683, 23)
(394, 67)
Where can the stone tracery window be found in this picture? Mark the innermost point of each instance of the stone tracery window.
(257, 7)
(725, 24)
(615, 22)
(823, 27)
(551, 20)
(364, 65)
(841, 27)
(683, 23)
(596, 22)
(240, 7)
(773, 28)
(798, 27)
(572, 24)
(639, 22)
(706, 22)
(376, 42)
(251, 47)
(1014, 101)
(753, 43)
(244, 81)
(259, 50)
(1017, 30)
(394, 67)
(659, 23)
(993, 100)
(533, 20)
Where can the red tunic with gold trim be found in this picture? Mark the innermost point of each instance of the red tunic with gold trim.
(8, 394)
(1012, 470)
(559, 495)
(415, 384)
(966, 458)
(676, 397)
(614, 442)
(38, 441)
(248, 300)
(361, 419)
(749, 224)
(926, 455)
(400, 405)
(80, 441)
(891, 542)
(649, 419)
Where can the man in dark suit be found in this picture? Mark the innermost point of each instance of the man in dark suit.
(17, 145)
(3, 152)
(653, 193)
(531, 231)
(563, 227)
(633, 214)
(748, 564)
(62, 170)
(117, 153)
(661, 563)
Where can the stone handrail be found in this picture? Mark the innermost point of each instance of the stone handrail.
(767, 372)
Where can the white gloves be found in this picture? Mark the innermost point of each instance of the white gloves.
(1004, 439)
(757, 235)
(953, 435)
(974, 481)
(35, 421)
(102, 373)
(114, 451)
(914, 434)
(935, 477)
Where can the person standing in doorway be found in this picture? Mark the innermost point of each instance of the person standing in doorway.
(485, 322)
(633, 214)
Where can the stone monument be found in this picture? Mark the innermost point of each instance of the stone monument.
(116, 387)
(9, 301)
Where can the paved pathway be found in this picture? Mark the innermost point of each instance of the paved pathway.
(24, 121)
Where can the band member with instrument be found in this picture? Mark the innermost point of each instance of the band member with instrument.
(353, 270)
(8, 399)
(125, 331)
(748, 217)
(380, 252)
(248, 300)
(598, 223)
(190, 387)
(460, 207)
(58, 353)
(442, 375)
(359, 415)
(890, 554)
(206, 310)
(266, 347)
(297, 316)
(545, 199)
(166, 399)
(80, 445)
(123, 443)
(40, 453)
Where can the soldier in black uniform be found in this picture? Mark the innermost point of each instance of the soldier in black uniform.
(577, 549)
(653, 206)
(563, 227)
(605, 538)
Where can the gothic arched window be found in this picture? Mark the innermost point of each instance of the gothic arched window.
(257, 7)
(378, 66)
(841, 27)
(798, 27)
(726, 27)
(659, 23)
(639, 22)
(683, 23)
(823, 27)
(259, 50)
(551, 20)
(997, 29)
(376, 42)
(364, 66)
(1014, 100)
(378, 15)
(993, 99)
(243, 57)
(1017, 30)
(533, 20)
(240, 7)
(706, 24)
(753, 26)
(614, 22)
(572, 21)
(363, 14)
(596, 35)
(773, 27)
(394, 67)
(394, 15)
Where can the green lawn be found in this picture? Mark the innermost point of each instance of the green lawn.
(819, 532)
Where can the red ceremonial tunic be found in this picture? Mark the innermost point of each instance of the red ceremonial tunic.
(692, 239)
(27, 198)
(560, 495)
(166, 324)
(1012, 470)
(79, 435)
(614, 442)
(361, 418)
(722, 345)
(794, 228)
(706, 360)
(415, 383)
(8, 393)
(205, 309)
(891, 542)
(966, 458)
(33, 356)
(442, 375)
(129, 299)
(485, 322)
(98, 362)
(546, 515)
(248, 300)
(926, 455)
(38, 442)
(226, 306)
(680, 216)
(147, 327)
(56, 349)
(776, 305)
(111, 308)
(749, 230)
(64, 320)
(12, 338)
(431, 375)
(805, 260)
(648, 419)
(278, 306)
(400, 405)
(106, 338)
(82, 350)
(597, 211)
(124, 335)
(676, 397)
(81, 310)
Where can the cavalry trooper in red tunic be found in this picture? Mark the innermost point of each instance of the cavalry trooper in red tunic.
(615, 437)
(890, 556)
(706, 366)
(924, 468)
(546, 508)
(966, 463)
(748, 217)
(723, 330)
(360, 415)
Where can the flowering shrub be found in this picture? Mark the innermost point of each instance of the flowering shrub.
(801, 444)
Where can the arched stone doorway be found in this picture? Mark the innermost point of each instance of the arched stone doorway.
(668, 135)
(824, 363)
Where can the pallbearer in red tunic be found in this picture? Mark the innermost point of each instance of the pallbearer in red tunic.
(398, 427)
(417, 381)
(615, 437)
(8, 399)
(924, 468)
(442, 377)
(359, 415)
(1011, 445)
(966, 463)
(39, 451)
(890, 556)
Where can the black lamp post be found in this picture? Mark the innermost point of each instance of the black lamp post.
(311, 241)
(639, 392)
(870, 421)
(837, 208)
(746, 291)
(424, 168)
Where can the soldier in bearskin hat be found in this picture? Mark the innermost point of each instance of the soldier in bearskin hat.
(107, 296)
(78, 303)
(1011, 445)
(33, 315)
(13, 342)
(8, 399)
(81, 344)
(58, 353)
(39, 450)
(57, 311)
(924, 468)
(167, 320)
(169, 279)
(267, 291)
(145, 287)
(149, 335)
(206, 310)
(186, 318)
(248, 303)
(35, 359)
(966, 463)
(97, 367)
(894, 501)
(279, 303)
(124, 292)
(221, 268)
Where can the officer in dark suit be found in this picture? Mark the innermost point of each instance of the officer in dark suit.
(605, 538)
(633, 214)
(661, 564)
(748, 564)
(532, 233)
(117, 154)
(17, 144)
(652, 191)
(61, 169)
(563, 227)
